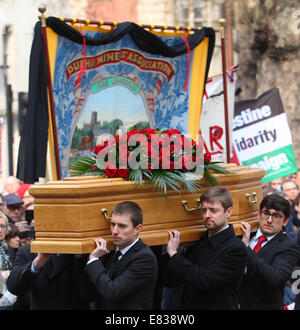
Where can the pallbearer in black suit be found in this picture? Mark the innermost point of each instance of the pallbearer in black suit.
(211, 270)
(47, 281)
(126, 277)
(272, 256)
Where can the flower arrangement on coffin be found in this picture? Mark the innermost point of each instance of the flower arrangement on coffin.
(161, 158)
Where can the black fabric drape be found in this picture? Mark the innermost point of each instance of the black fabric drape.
(33, 144)
(34, 136)
(144, 40)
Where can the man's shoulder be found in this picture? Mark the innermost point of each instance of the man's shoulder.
(285, 239)
(140, 245)
(143, 248)
(234, 242)
(229, 238)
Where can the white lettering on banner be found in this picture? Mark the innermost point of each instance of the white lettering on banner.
(249, 116)
(250, 148)
(273, 163)
(261, 137)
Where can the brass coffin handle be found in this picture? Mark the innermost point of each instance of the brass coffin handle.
(104, 212)
(254, 197)
(184, 204)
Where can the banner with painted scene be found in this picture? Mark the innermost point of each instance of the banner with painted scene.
(262, 137)
(212, 120)
(103, 79)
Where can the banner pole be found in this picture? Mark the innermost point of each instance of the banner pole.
(42, 10)
(222, 23)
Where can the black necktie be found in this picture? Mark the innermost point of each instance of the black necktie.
(116, 256)
(113, 265)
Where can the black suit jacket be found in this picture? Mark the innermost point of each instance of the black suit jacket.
(130, 286)
(267, 273)
(55, 286)
(211, 271)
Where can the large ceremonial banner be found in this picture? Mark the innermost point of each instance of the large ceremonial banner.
(103, 79)
(262, 137)
(212, 120)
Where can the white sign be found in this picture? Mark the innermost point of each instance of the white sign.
(212, 120)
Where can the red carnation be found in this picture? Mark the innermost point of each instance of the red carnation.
(123, 173)
(110, 172)
(173, 131)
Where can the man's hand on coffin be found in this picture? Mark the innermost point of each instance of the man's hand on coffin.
(174, 242)
(246, 228)
(41, 259)
(100, 249)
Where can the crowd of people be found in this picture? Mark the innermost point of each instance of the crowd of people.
(16, 229)
(220, 271)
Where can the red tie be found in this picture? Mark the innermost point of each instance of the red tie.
(261, 239)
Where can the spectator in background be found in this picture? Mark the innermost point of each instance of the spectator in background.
(27, 236)
(297, 180)
(2, 204)
(295, 215)
(13, 241)
(29, 208)
(276, 183)
(292, 176)
(5, 255)
(11, 186)
(290, 188)
(23, 193)
(13, 209)
(5, 260)
(268, 191)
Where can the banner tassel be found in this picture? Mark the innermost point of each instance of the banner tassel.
(83, 66)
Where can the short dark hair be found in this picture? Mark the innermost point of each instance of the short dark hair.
(133, 209)
(268, 191)
(278, 203)
(218, 194)
(13, 232)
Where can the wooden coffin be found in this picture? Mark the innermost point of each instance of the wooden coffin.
(67, 213)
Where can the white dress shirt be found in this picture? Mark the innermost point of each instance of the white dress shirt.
(255, 238)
